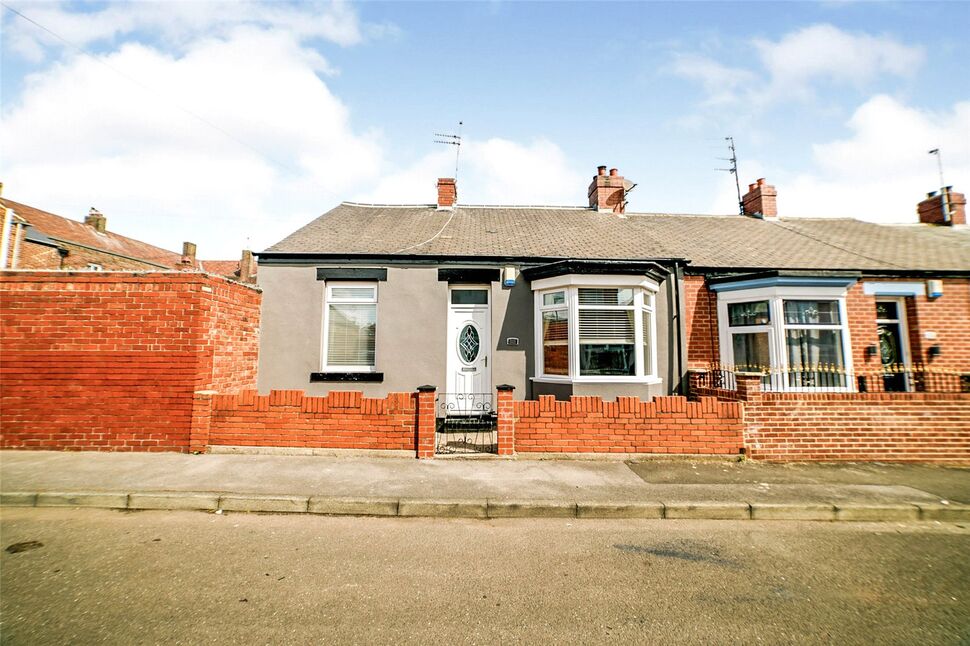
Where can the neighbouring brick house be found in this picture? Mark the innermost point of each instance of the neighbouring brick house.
(42, 240)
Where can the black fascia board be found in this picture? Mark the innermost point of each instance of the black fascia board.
(591, 267)
(308, 258)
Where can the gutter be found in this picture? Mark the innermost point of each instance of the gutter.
(310, 258)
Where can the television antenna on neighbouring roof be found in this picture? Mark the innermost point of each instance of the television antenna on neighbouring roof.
(944, 192)
(733, 170)
(452, 140)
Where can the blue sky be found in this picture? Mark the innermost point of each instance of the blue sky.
(232, 124)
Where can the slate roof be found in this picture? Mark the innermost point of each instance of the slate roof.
(58, 228)
(710, 241)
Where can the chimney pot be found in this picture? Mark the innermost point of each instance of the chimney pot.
(188, 254)
(601, 170)
(613, 172)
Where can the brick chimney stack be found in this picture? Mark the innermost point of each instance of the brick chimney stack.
(447, 192)
(188, 254)
(96, 219)
(608, 192)
(932, 210)
(246, 266)
(761, 200)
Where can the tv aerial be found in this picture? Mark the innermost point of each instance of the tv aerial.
(733, 170)
(452, 140)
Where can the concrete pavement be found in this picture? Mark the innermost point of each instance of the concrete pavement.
(482, 488)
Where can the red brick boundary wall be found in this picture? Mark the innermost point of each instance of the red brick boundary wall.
(829, 427)
(288, 418)
(888, 427)
(111, 360)
(901, 427)
(627, 425)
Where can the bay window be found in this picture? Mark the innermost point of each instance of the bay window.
(602, 331)
(796, 336)
(350, 323)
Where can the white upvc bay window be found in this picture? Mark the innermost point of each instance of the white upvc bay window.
(797, 336)
(349, 327)
(596, 329)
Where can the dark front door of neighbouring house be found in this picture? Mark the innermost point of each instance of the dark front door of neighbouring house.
(891, 324)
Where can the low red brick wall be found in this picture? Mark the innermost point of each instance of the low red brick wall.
(898, 427)
(627, 425)
(288, 418)
(110, 360)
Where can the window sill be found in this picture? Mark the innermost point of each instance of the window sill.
(645, 381)
(374, 377)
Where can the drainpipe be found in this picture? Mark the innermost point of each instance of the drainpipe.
(681, 326)
(18, 234)
(5, 237)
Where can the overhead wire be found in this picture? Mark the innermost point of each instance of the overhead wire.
(153, 91)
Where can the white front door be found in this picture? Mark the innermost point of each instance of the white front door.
(469, 387)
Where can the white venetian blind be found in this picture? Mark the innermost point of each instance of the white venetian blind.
(606, 326)
(350, 334)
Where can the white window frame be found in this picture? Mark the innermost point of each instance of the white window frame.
(328, 300)
(644, 300)
(777, 345)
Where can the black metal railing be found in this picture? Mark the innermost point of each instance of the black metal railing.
(465, 404)
(466, 423)
(834, 378)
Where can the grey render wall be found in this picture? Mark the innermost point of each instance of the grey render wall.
(411, 345)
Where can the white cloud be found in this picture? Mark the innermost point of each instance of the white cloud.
(882, 170)
(721, 82)
(494, 171)
(82, 135)
(791, 68)
(180, 23)
(826, 53)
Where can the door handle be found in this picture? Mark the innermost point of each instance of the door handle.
(486, 361)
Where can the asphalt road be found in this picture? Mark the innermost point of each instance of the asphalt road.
(190, 577)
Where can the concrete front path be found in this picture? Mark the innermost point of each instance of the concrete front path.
(482, 487)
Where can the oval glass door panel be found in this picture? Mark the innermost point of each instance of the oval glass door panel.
(469, 343)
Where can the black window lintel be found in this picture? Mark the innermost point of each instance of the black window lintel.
(351, 273)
